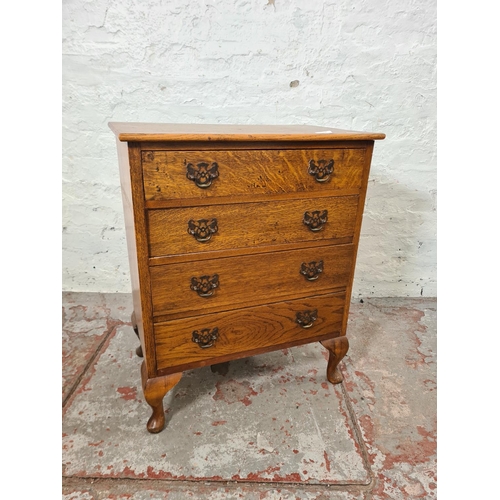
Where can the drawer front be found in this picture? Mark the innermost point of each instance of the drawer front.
(217, 284)
(200, 338)
(175, 231)
(207, 174)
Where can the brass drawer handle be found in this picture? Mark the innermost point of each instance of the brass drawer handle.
(205, 285)
(203, 174)
(322, 170)
(205, 338)
(312, 270)
(315, 220)
(202, 229)
(306, 318)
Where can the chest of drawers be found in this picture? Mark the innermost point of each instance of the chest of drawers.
(241, 240)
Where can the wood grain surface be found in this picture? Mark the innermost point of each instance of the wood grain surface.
(246, 329)
(248, 172)
(337, 348)
(247, 280)
(154, 390)
(169, 132)
(254, 184)
(250, 225)
(357, 231)
(137, 245)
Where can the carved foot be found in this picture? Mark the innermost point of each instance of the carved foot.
(138, 351)
(337, 348)
(154, 392)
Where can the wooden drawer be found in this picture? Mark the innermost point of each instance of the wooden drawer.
(241, 332)
(249, 225)
(216, 284)
(166, 173)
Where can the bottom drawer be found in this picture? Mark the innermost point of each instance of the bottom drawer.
(198, 340)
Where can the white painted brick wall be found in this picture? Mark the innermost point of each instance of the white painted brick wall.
(363, 65)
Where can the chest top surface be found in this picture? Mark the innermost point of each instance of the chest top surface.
(146, 132)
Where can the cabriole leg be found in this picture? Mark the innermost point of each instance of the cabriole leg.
(337, 348)
(154, 392)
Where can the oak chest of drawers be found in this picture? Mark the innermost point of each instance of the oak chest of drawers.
(241, 240)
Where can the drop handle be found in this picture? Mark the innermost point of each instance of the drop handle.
(315, 220)
(205, 337)
(202, 229)
(321, 171)
(306, 318)
(204, 286)
(202, 174)
(311, 270)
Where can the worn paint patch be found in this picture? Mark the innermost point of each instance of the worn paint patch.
(77, 495)
(127, 393)
(390, 374)
(394, 402)
(237, 427)
(87, 318)
(233, 391)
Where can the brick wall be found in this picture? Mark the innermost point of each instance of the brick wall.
(365, 65)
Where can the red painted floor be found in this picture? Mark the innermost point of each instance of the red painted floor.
(270, 427)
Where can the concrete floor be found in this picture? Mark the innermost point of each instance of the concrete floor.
(268, 427)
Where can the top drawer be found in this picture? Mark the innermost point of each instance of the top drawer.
(207, 174)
